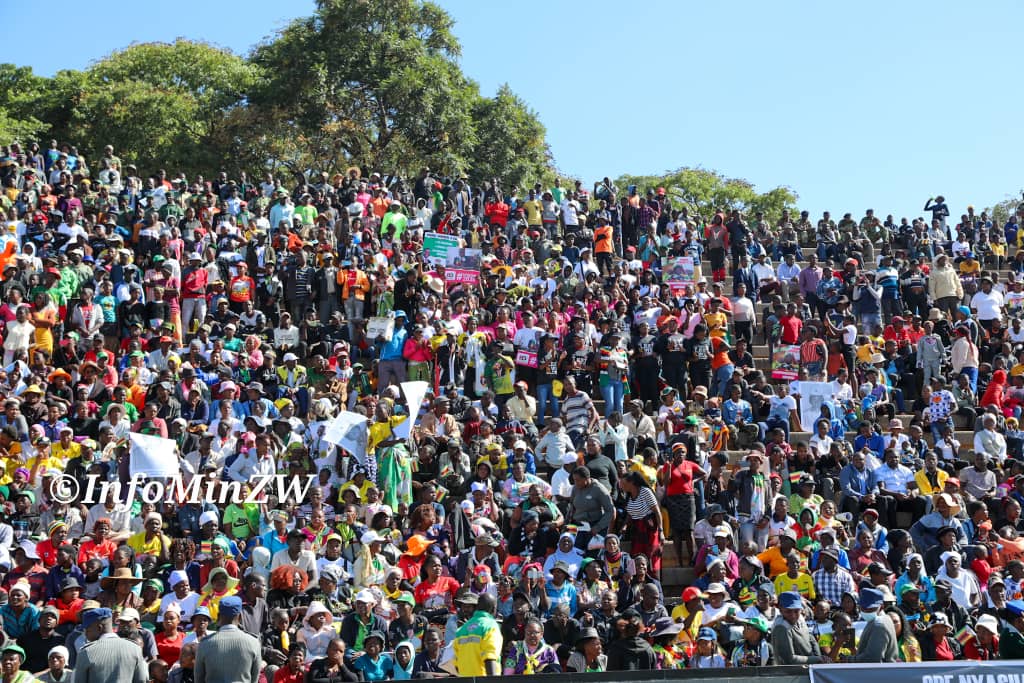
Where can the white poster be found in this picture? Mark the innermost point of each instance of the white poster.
(350, 431)
(152, 456)
(414, 393)
(380, 327)
(812, 396)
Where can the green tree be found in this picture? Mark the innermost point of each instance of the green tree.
(510, 141)
(703, 192)
(368, 83)
(160, 103)
(19, 90)
(1001, 211)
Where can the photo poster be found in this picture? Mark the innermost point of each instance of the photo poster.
(462, 265)
(812, 396)
(382, 326)
(786, 362)
(436, 247)
(678, 272)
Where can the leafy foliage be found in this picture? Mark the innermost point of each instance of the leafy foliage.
(363, 83)
(703, 192)
(510, 141)
(369, 83)
(159, 103)
(19, 90)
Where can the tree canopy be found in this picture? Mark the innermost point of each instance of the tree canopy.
(703, 192)
(368, 84)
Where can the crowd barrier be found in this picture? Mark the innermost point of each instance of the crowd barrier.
(925, 672)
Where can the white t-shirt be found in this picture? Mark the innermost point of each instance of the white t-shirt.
(780, 407)
(989, 306)
(850, 335)
(743, 310)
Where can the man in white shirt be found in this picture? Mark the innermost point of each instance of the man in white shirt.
(570, 212)
(990, 442)
(789, 277)
(744, 315)
(766, 280)
(561, 480)
(297, 555)
(253, 462)
(897, 490)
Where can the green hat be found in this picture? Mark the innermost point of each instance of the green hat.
(29, 494)
(11, 647)
(758, 622)
(909, 587)
(692, 420)
(5, 491)
(154, 583)
(407, 598)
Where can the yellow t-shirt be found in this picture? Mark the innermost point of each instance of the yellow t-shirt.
(533, 212)
(802, 584)
(11, 464)
(62, 454)
(139, 544)
(717, 323)
(973, 268)
(679, 614)
(360, 490)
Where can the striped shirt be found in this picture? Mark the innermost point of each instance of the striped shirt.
(643, 505)
(576, 411)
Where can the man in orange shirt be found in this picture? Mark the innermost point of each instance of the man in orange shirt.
(604, 245)
(354, 286)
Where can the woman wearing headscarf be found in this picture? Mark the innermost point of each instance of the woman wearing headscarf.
(916, 575)
(565, 552)
(966, 591)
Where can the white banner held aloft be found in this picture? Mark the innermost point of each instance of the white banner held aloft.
(152, 456)
(350, 431)
(812, 396)
(414, 393)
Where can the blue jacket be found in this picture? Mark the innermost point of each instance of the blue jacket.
(856, 483)
(392, 350)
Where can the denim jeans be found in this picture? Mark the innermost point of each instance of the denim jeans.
(722, 377)
(612, 395)
(937, 426)
(972, 376)
(545, 393)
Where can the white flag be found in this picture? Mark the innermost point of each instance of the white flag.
(152, 456)
(350, 431)
(414, 393)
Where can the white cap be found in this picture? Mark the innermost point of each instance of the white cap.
(467, 507)
(568, 458)
(365, 596)
(477, 486)
(129, 614)
(289, 356)
(208, 516)
(519, 444)
(369, 537)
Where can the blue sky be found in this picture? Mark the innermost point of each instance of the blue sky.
(853, 105)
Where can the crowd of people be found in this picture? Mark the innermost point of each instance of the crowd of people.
(612, 468)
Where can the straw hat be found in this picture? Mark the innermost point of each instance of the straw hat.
(107, 583)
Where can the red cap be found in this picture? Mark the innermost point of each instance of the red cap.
(691, 593)
(661, 190)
